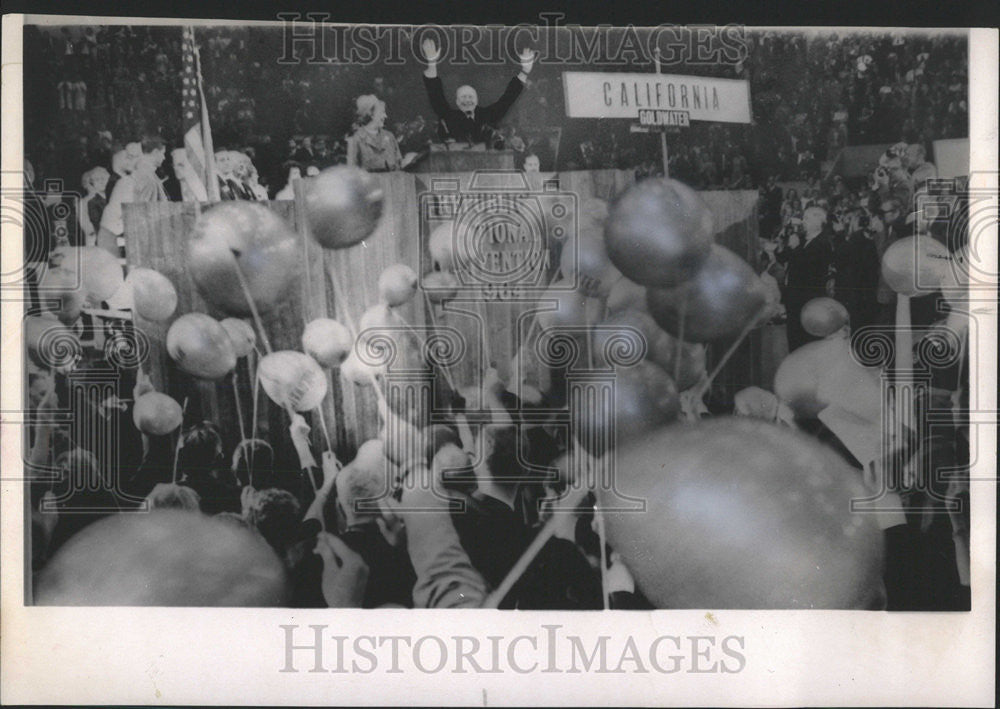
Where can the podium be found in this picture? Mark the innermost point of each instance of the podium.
(466, 161)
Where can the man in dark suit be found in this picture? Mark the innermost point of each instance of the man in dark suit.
(809, 261)
(470, 122)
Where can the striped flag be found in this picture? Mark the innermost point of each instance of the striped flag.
(197, 131)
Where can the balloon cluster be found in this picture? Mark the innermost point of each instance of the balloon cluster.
(648, 268)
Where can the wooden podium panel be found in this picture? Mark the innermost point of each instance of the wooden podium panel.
(466, 161)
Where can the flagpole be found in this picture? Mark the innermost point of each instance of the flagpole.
(212, 187)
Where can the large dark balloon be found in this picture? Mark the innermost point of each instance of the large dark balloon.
(659, 233)
(645, 398)
(166, 558)
(200, 346)
(343, 206)
(742, 514)
(823, 316)
(722, 299)
(264, 245)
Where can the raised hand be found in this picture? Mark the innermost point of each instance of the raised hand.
(527, 59)
(345, 574)
(431, 51)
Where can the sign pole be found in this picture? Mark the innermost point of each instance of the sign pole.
(663, 134)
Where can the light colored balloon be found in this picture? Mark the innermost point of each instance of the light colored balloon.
(157, 414)
(200, 346)
(292, 379)
(397, 284)
(822, 317)
(440, 286)
(915, 265)
(99, 271)
(153, 294)
(327, 341)
(242, 334)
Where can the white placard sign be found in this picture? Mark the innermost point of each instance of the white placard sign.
(594, 94)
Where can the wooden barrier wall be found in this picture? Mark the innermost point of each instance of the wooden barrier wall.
(157, 235)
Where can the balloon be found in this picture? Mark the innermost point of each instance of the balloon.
(242, 335)
(51, 344)
(292, 379)
(377, 317)
(200, 346)
(440, 286)
(663, 351)
(796, 382)
(266, 249)
(397, 284)
(153, 295)
(327, 341)
(955, 280)
(441, 244)
(626, 295)
(721, 299)
(743, 514)
(62, 293)
(915, 265)
(585, 261)
(825, 373)
(645, 397)
(343, 206)
(100, 274)
(357, 372)
(370, 454)
(659, 233)
(156, 414)
(571, 307)
(823, 316)
(165, 558)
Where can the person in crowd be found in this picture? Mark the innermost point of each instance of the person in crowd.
(791, 206)
(92, 206)
(920, 169)
(304, 152)
(390, 573)
(858, 269)
(469, 122)
(141, 185)
(809, 260)
(121, 165)
(371, 146)
(275, 515)
(228, 188)
(531, 163)
(167, 496)
(201, 467)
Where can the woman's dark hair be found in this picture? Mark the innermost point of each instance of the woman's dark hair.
(200, 451)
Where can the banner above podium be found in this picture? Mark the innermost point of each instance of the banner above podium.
(628, 95)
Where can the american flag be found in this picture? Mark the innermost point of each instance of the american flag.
(197, 131)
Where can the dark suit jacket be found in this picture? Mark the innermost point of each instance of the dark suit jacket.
(455, 125)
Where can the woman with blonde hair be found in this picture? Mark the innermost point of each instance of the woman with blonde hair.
(372, 147)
